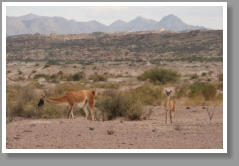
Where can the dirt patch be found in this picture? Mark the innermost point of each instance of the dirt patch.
(190, 130)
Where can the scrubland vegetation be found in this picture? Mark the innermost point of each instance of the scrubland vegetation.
(112, 102)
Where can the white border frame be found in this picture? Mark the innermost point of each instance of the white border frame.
(222, 4)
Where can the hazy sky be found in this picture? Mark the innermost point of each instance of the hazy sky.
(210, 17)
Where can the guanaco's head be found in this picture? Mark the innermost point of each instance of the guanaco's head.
(168, 92)
(42, 101)
(93, 93)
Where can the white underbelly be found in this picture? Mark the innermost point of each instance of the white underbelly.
(82, 104)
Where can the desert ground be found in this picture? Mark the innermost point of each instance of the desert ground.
(191, 128)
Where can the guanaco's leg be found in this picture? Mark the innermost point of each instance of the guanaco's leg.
(166, 114)
(92, 112)
(173, 115)
(170, 113)
(72, 115)
(86, 112)
(91, 108)
(69, 112)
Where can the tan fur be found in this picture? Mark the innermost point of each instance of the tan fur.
(169, 107)
(75, 97)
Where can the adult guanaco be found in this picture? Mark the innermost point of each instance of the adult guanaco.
(74, 98)
(169, 106)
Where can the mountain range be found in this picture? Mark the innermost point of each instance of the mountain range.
(31, 24)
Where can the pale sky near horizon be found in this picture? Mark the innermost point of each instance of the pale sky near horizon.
(209, 17)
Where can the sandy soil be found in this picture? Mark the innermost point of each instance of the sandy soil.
(191, 129)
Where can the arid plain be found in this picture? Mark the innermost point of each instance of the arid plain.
(130, 96)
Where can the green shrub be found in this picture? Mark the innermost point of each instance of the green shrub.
(182, 91)
(24, 103)
(135, 111)
(53, 62)
(19, 72)
(46, 65)
(76, 77)
(98, 77)
(203, 74)
(194, 77)
(115, 104)
(207, 90)
(148, 94)
(196, 89)
(159, 76)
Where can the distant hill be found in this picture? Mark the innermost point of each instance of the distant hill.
(143, 46)
(31, 23)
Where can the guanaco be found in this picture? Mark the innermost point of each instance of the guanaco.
(169, 106)
(74, 98)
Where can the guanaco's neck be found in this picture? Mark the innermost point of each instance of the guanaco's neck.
(56, 100)
(168, 97)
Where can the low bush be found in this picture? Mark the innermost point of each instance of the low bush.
(196, 89)
(207, 90)
(182, 91)
(194, 77)
(159, 76)
(203, 74)
(76, 77)
(46, 65)
(22, 103)
(148, 94)
(98, 77)
(19, 72)
(60, 76)
(114, 104)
